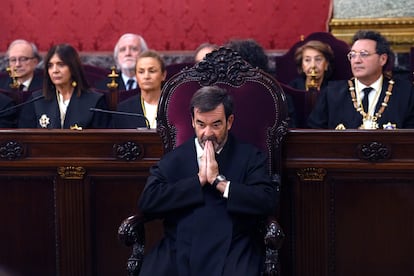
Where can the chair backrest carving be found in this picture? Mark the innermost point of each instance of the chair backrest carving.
(260, 103)
(95, 74)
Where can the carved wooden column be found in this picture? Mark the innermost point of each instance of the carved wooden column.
(72, 221)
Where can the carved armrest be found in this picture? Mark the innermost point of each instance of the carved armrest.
(273, 240)
(131, 232)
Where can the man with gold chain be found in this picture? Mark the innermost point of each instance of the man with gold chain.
(371, 99)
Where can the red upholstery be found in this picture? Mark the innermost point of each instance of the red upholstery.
(95, 74)
(260, 118)
(260, 106)
(175, 68)
(260, 111)
(304, 101)
(251, 112)
(286, 69)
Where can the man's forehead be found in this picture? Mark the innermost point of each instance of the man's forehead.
(364, 44)
(129, 41)
(20, 47)
(212, 115)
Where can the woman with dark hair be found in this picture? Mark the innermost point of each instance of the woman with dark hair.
(66, 100)
(314, 61)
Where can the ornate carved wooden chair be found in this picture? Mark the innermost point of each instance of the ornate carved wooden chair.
(175, 68)
(260, 118)
(95, 74)
(303, 101)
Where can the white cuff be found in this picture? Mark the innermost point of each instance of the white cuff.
(226, 191)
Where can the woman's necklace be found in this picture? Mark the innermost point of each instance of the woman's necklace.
(151, 117)
(368, 121)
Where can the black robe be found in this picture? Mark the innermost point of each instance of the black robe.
(8, 117)
(77, 113)
(130, 105)
(206, 234)
(335, 106)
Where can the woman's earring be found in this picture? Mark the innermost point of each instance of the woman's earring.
(74, 83)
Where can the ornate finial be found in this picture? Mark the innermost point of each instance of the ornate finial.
(113, 75)
(312, 81)
(12, 73)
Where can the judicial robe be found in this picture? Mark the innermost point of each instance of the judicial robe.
(8, 113)
(77, 112)
(130, 105)
(335, 106)
(204, 233)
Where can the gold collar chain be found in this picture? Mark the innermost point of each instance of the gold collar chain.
(360, 109)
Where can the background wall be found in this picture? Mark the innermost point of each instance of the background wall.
(95, 25)
(377, 8)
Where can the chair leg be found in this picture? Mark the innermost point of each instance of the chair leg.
(272, 264)
(135, 261)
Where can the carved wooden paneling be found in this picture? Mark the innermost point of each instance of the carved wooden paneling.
(62, 200)
(342, 214)
(347, 203)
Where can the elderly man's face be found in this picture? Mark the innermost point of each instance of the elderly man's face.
(129, 49)
(21, 61)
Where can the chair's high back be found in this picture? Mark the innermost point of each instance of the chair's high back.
(286, 69)
(175, 68)
(95, 74)
(303, 101)
(260, 107)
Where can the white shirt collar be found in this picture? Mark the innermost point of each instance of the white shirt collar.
(125, 78)
(377, 85)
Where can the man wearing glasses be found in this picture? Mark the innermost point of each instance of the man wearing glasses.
(372, 99)
(23, 59)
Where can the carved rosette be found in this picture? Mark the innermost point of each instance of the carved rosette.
(71, 172)
(11, 150)
(128, 151)
(374, 152)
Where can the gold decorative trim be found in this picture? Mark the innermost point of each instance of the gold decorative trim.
(312, 174)
(399, 31)
(71, 172)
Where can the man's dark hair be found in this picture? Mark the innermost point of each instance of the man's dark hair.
(383, 46)
(208, 98)
(250, 51)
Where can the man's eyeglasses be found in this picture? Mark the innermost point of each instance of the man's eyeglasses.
(13, 60)
(362, 54)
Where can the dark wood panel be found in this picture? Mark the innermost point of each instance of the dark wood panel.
(63, 195)
(347, 203)
(27, 231)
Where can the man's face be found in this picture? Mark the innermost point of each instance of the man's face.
(129, 49)
(212, 126)
(366, 64)
(21, 61)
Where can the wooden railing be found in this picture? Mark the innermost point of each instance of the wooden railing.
(347, 203)
(347, 200)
